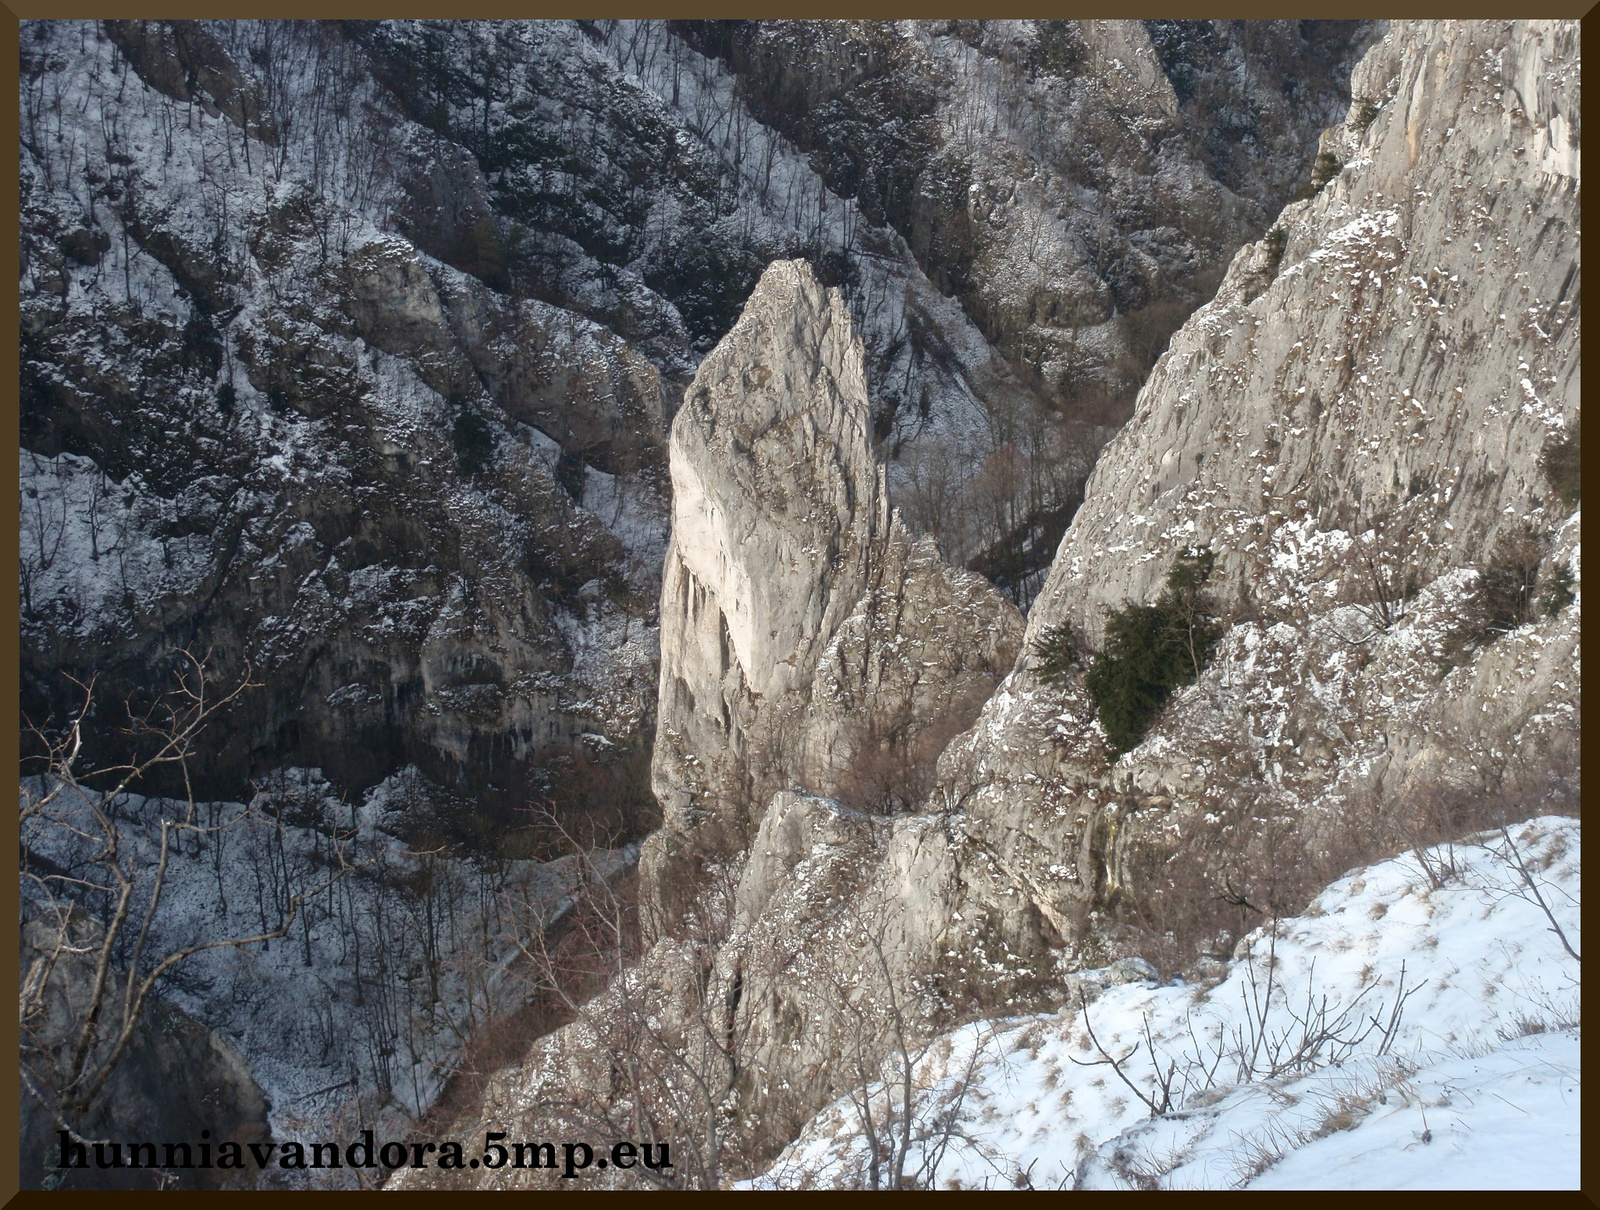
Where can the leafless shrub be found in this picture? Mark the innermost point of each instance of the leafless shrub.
(1529, 888)
(1248, 854)
(660, 1045)
(1511, 595)
(907, 1114)
(1157, 1098)
(1274, 1038)
(894, 767)
(1304, 1038)
(1387, 563)
(93, 887)
(1561, 460)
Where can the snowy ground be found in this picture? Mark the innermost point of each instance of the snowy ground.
(1449, 1053)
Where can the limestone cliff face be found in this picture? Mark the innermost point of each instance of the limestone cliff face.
(776, 501)
(815, 658)
(426, 514)
(801, 626)
(1118, 120)
(1382, 372)
(1410, 331)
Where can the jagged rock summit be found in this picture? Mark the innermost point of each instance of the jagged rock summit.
(776, 499)
(803, 630)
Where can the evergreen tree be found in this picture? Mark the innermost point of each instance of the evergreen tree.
(1151, 649)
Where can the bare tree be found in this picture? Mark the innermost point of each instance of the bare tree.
(659, 1044)
(906, 1103)
(94, 865)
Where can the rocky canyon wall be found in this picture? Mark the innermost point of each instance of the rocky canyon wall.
(1388, 371)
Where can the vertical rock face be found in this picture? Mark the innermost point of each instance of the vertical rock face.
(804, 634)
(1168, 142)
(428, 488)
(1383, 372)
(776, 501)
(256, 422)
(332, 255)
(1070, 190)
(1412, 330)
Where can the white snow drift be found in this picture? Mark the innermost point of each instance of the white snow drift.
(1399, 1034)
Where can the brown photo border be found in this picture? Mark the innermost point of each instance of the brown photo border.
(13, 13)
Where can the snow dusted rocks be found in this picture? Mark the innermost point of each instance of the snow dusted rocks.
(429, 517)
(566, 376)
(1073, 183)
(1419, 336)
(804, 635)
(1387, 365)
(413, 501)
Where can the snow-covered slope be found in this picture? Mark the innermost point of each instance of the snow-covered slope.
(1450, 1053)
(363, 1009)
